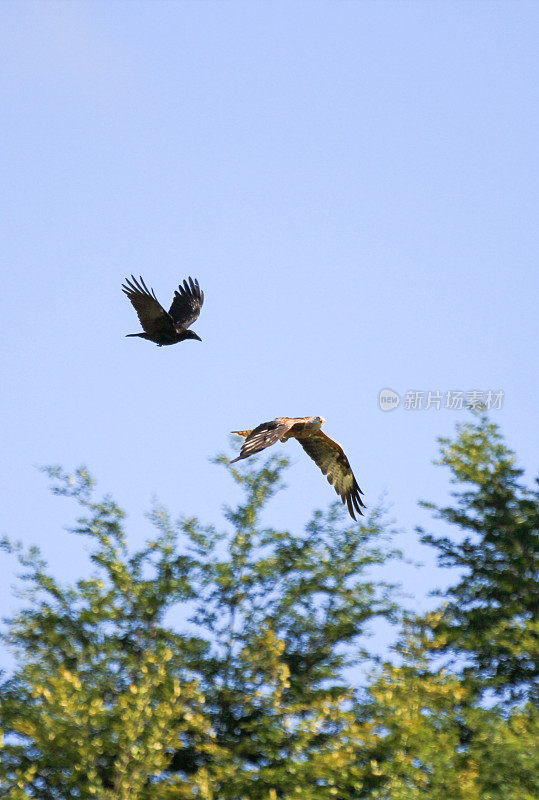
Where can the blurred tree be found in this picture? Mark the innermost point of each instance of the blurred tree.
(110, 702)
(491, 620)
(102, 695)
(430, 738)
(249, 698)
(429, 730)
(311, 596)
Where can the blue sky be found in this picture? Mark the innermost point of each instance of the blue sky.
(354, 184)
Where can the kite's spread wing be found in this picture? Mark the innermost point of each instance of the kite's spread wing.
(153, 317)
(263, 436)
(331, 458)
(187, 303)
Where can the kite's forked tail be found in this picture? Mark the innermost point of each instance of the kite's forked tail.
(242, 433)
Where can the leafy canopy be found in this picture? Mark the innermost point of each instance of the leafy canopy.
(248, 696)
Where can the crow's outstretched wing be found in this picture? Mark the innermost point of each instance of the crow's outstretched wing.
(263, 436)
(331, 458)
(153, 317)
(187, 303)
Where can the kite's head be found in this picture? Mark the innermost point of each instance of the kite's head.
(318, 422)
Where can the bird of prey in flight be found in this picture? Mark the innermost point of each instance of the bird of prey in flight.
(325, 452)
(159, 326)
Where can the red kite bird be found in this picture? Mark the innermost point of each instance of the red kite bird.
(325, 452)
(159, 326)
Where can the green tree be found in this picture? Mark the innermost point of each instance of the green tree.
(248, 700)
(491, 616)
(312, 595)
(428, 729)
(102, 695)
(429, 737)
(248, 696)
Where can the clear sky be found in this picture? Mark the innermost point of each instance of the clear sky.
(354, 184)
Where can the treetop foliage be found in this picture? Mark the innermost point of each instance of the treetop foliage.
(492, 614)
(244, 691)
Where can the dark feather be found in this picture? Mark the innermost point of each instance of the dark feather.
(329, 456)
(264, 436)
(160, 326)
(187, 303)
(153, 317)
